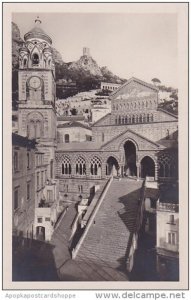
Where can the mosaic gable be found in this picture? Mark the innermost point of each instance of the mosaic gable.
(140, 142)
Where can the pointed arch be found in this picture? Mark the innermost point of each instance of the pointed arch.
(95, 166)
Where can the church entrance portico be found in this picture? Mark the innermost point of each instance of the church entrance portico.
(130, 168)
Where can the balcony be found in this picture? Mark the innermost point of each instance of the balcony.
(167, 207)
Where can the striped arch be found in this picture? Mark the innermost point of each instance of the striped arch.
(148, 166)
(112, 155)
(122, 143)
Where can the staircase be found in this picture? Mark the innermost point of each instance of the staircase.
(107, 240)
(61, 237)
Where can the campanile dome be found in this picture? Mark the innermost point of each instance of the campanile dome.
(37, 33)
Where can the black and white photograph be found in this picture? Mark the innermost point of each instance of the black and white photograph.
(95, 112)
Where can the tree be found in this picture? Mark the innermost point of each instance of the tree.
(174, 96)
(155, 80)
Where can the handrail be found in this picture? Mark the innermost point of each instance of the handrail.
(92, 205)
(102, 196)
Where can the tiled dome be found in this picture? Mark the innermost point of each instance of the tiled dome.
(37, 32)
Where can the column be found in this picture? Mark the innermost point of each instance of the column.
(156, 171)
(138, 170)
(88, 170)
(103, 170)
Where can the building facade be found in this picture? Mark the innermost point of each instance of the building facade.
(136, 139)
(167, 245)
(23, 181)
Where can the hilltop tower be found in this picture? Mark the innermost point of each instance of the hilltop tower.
(37, 92)
(86, 51)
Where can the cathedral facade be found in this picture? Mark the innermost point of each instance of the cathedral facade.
(137, 139)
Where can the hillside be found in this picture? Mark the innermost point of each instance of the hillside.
(85, 72)
(81, 75)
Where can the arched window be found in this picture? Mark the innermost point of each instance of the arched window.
(38, 129)
(49, 62)
(95, 166)
(151, 117)
(31, 130)
(35, 59)
(144, 118)
(148, 119)
(25, 62)
(119, 120)
(80, 166)
(133, 119)
(66, 165)
(67, 138)
(167, 134)
(126, 120)
(116, 121)
(102, 137)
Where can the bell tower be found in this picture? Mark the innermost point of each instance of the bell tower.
(37, 92)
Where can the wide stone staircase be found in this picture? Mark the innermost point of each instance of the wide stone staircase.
(107, 240)
(61, 237)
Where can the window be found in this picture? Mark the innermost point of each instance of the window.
(16, 198)
(28, 190)
(102, 137)
(171, 238)
(35, 59)
(171, 219)
(50, 195)
(25, 62)
(167, 134)
(16, 161)
(66, 166)
(80, 166)
(42, 178)
(67, 138)
(95, 166)
(47, 219)
(51, 169)
(28, 160)
(39, 219)
(38, 180)
(80, 188)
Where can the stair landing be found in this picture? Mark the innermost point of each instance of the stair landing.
(107, 239)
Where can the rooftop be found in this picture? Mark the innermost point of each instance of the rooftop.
(37, 32)
(73, 124)
(18, 140)
(71, 118)
(78, 146)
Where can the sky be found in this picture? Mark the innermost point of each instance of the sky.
(140, 45)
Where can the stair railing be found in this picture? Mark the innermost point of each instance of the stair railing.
(134, 234)
(91, 219)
